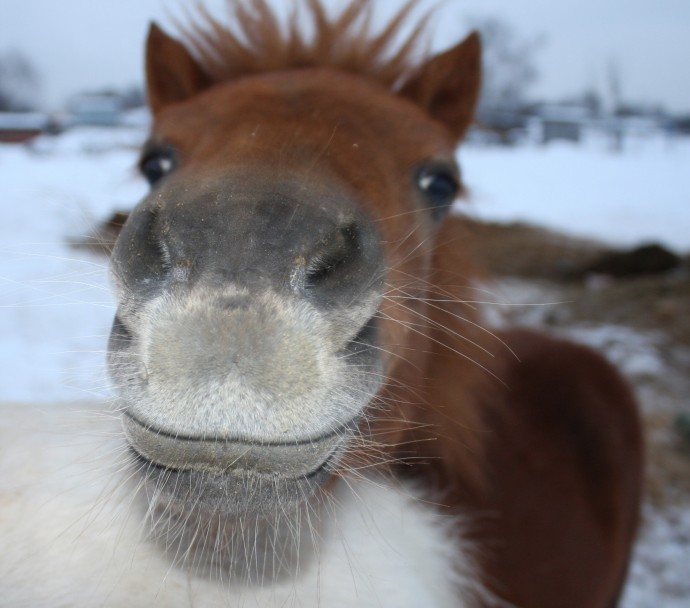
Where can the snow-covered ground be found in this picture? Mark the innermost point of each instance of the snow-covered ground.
(56, 308)
(55, 302)
(638, 195)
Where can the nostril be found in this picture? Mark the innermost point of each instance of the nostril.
(333, 254)
(119, 332)
(141, 258)
(122, 367)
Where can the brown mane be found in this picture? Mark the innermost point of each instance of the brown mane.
(259, 42)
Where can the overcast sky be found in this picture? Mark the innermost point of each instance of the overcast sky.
(91, 44)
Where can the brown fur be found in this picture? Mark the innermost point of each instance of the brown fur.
(535, 439)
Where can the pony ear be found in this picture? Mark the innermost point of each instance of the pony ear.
(447, 85)
(172, 74)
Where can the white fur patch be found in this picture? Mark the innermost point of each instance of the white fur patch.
(70, 535)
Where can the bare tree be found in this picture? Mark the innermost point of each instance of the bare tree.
(509, 63)
(19, 82)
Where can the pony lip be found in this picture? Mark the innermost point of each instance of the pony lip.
(234, 472)
(234, 492)
(285, 460)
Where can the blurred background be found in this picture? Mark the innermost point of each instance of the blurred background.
(606, 76)
(577, 169)
(615, 55)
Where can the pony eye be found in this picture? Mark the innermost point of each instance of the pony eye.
(439, 186)
(157, 164)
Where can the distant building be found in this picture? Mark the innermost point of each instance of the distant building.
(504, 126)
(560, 121)
(18, 127)
(571, 121)
(679, 125)
(102, 109)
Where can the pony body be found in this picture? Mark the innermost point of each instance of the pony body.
(313, 412)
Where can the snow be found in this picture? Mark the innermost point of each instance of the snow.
(641, 194)
(55, 304)
(659, 573)
(56, 307)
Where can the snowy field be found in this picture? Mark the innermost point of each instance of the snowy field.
(55, 304)
(639, 195)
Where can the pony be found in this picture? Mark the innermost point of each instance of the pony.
(310, 409)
